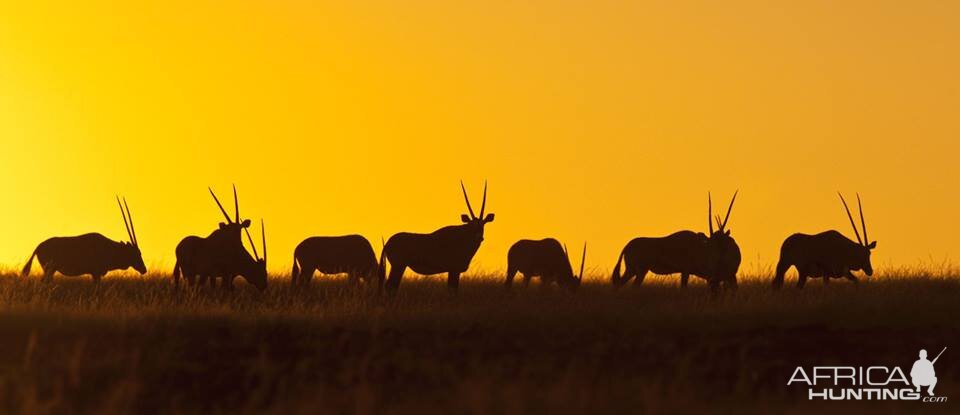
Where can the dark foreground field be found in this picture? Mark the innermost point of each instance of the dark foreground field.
(135, 345)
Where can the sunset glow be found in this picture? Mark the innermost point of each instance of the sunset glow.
(596, 121)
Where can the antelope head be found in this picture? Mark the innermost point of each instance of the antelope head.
(258, 275)
(473, 222)
(724, 258)
(131, 249)
(862, 259)
(575, 280)
(235, 224)
(721, 225)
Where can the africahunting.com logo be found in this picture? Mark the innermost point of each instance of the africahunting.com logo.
(872, 383)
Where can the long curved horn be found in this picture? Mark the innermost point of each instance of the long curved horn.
(483, 204)
(236, 206)
(710, 212)
(225, 215)
(467, 199)
(729, 208)
(851, 219)
(583, 260)
(125, 224)
(863, 223)
(133, 231)
(263, 240)
(252, 246)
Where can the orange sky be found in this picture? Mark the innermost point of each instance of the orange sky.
(599, 120)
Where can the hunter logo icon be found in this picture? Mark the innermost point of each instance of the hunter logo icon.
(923, 374)
(875, 382)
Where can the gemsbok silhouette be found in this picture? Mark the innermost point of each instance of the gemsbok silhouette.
(544, 258)
(253, 269)
(715, 258)
(827, 254)
(220, 254)
(91, 253)
(449, 249)
(350, 254)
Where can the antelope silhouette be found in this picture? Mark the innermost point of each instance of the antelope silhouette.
(827, 254)
(253, 269)
(91, 253)
(350, 254)
(544, 258)
(220, 254)
(449, 249)
(714, 257)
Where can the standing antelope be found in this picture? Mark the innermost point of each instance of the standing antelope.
(350, 254)
(715, 258)
(827, 254)
(449, 249)
(220, 254)
(546, 259)
(90, 253)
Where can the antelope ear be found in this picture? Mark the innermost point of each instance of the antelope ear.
(872, 245)
(489, 218)
(465, 218)
(727, 232)
(223, 225)
(245, 224)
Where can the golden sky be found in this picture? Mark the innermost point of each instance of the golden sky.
(592, 120)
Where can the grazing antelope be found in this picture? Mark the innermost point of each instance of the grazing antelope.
(546, 259)
(253, 269)
(827, 254)
(715, 258)
(220, 254)
(90, 253)
(350, 254)
(449, 249)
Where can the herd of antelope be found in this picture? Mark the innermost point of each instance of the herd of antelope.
(714, 257)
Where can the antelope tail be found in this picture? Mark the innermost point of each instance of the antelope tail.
(295, 272)
(782, 266)
(382, 269)
(616, 270)
(787, 259)
(26, 268)
(176, 273)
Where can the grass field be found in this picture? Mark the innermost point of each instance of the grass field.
(136, 345)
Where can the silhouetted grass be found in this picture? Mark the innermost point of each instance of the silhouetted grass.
(135, 345)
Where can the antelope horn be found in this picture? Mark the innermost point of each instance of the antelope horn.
(583, 260)
(483, 205)
(467, 199)
(863, 223)
(263, 240)
(133, 231)
(716, 218)
(252, 246)
(125, 224)
(225, 215)
(854, 225)
(729, 208)
(710, 212)
(236, 205)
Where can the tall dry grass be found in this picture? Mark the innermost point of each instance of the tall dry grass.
(135, 344)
